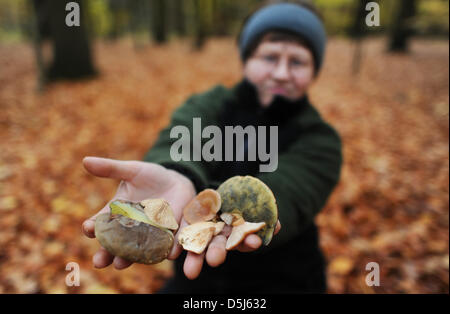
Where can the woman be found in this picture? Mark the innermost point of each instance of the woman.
(282, 47)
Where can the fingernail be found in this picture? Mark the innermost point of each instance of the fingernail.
(83, 226)
(87, 227)
(94, 258)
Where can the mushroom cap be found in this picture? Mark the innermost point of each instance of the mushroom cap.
(202, 207)
(239, 232)
(160, 213)
(253, 199)
(133, 240)
(196, 237)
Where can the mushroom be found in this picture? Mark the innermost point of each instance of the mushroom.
(219, 227)
(227, 218)
(196, 237)
(237, 219)
(253, 200)
(127, 232)
(238, 233)
(203, 207)
(159, 212)
(233, 219)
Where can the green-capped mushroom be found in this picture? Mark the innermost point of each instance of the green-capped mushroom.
(253, 200)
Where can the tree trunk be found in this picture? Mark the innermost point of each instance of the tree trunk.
(138, 18)
(402, 29)
(158, 20)
(200, 23)
(221, 17)
(119, 9)
(37, 34)
(179, 15)
(357, 31)
(71, 50)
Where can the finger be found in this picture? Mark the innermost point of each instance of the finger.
(193, 264)
(216, 252)
(102, 258)
(120, 263)
(251, 243)
(111, 168)
(88, 226)
(277, 228)
(177, 248)
(226, 231)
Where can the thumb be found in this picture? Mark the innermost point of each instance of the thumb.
(111, 168)
(88, 226)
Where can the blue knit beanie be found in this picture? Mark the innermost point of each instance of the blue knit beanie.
(288, 17)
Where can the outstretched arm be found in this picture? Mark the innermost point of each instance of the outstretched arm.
(307, 174)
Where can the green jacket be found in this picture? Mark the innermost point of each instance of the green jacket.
(308, 169)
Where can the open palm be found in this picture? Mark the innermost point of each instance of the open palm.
(139, 180)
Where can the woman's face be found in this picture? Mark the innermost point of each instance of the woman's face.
(280, 68)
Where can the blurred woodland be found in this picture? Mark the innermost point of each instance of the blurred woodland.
(109, 86)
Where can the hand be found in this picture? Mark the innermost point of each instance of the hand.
(141, 180)
(216, 253)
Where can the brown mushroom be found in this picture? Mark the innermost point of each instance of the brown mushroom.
(196, 237)
(203, 207)
(238, 233)
(127, 232)
(160, 213)
(133, 240)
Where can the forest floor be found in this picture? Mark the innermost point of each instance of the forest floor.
(390, 207)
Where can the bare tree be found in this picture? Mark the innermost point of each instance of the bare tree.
(357, 31)
(159, 21)
(402, 28)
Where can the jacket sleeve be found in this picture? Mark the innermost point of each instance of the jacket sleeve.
(197, 106)
(307, 173)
